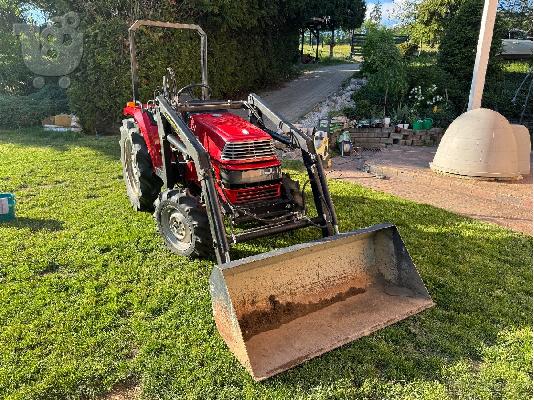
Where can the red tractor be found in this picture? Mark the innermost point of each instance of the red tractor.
(213, 179)
(214, 165)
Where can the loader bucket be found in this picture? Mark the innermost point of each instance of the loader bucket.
(281, 308)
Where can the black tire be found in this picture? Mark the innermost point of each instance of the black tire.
(183, 223)
(142, 185)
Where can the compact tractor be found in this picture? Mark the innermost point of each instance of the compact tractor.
(213, 179)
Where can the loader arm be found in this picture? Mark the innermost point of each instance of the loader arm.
(295, 138)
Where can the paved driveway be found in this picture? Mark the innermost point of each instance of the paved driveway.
(298, 97)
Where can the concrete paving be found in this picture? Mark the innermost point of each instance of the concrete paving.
(404, 171)
(298, 97)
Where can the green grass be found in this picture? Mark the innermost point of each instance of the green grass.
(90, 297)
(341, 53)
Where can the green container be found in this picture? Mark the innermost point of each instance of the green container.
(7, 207)
(417, 125)
(427, 123)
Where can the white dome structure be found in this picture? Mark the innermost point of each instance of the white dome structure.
(482, 143)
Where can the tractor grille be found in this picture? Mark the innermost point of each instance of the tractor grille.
(253, 194)
(248, 150)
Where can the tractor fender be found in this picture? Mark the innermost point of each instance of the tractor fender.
(149, 130)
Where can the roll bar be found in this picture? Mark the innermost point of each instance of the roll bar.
(133, 56)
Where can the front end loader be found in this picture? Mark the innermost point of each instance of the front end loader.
(213, 179)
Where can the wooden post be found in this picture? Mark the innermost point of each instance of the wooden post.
(302, 43)
(352, 42)
(317, 43)
(332, 43)
(483, 50)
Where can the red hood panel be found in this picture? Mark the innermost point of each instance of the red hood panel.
(230, 127)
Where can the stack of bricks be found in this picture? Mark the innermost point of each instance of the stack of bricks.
(375, 138)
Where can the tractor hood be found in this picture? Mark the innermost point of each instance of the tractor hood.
(226, 127)
(233, 141)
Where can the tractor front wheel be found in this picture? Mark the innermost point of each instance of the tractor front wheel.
(184, 224)
(142, 185)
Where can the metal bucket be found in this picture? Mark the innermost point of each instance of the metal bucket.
(281, 308)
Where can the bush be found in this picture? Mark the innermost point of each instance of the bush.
(245, 53)
(499, 93)
(384, 68)
(24, 111)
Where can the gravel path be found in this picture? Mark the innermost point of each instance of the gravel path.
(300, 96)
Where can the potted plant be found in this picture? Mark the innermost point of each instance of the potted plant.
(401, 116)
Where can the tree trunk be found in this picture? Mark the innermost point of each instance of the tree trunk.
(317, 47)
(302, 43)
(351, 42)
(332, 43)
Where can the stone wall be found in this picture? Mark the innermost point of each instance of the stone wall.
(374, 138)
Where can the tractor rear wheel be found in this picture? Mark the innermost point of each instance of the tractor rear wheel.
(142, 185)
(184, 224)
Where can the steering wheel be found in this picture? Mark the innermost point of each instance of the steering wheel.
(189, 89)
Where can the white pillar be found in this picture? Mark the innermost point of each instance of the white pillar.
(483, 50)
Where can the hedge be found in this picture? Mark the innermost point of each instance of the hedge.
(244, 54)
(17, 111)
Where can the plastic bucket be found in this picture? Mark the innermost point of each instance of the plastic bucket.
(7, 206)
(427, 123)
(418, 125)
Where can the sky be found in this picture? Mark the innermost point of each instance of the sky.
(387, 8)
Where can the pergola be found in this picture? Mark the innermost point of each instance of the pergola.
(314, 26)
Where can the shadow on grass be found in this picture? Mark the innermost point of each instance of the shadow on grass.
(62, 141)
(35, 224)
(479, 276)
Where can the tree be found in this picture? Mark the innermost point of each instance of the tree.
(516, 15)
(383, 65)
(341, 14)
(458, 47)
(427, 20)
(15, 78)
(376, 13)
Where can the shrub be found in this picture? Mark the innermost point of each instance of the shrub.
(244, 53)
(22, 111)
(383, 66)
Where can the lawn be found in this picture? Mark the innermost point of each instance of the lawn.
(91, 298)
(341, 52)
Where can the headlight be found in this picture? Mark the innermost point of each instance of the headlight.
(251, 175)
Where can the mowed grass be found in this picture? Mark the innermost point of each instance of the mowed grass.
(91, 300)
(341, 52)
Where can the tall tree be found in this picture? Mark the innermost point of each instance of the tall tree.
(342, 14)
(15, 78)
(376, 13)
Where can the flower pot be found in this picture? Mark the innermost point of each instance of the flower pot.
(427, 123)
(418, 125)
